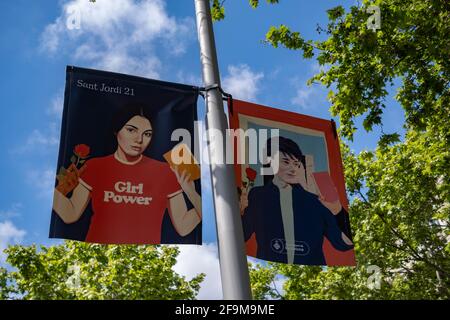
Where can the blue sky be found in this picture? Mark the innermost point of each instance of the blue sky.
(153, 38)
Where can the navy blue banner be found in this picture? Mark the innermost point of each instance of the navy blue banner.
(115, 181)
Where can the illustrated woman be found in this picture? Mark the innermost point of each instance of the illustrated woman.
(289, 222)
(128, 191)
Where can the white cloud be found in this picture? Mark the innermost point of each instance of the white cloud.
(39, 141)
(309, 97)
(189, 78)
(44, 140)
(303, 96)
(12, 212)
(57, 105)
(193, 260)
(50, 36)
(274, 74)
(118, 35)
(316, 68)
(37, 138)
(43, 181)
(313, 96)
(242, 82)
(9, 234)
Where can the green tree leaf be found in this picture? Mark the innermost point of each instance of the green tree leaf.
(76, 270)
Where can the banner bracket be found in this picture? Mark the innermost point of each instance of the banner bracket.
(333, 127)
(225, 96)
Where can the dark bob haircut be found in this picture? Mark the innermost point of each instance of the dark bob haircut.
(118, 121)
(287, 146)
(124, 114)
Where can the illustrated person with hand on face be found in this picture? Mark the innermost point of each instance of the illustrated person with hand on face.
(129, 192)
(289, 222)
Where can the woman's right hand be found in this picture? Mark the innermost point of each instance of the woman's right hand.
(70, 179)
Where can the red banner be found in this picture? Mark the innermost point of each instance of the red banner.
(299, 213)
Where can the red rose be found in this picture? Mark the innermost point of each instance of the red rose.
(82, 150)
(251, 174)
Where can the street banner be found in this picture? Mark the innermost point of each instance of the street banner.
(119, 177)
(296, 213)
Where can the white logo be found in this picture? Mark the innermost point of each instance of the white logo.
(277, 245)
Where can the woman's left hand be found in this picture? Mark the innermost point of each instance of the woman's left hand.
(185, 182)
(188, 186)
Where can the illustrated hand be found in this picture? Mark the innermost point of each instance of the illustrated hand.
(243, 201)
(185, 182)
(70, 179)
(311, 181)
(300, 176)
(335, 207)
(188, 186)
(346, 239)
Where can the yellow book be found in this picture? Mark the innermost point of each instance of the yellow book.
(180, 158)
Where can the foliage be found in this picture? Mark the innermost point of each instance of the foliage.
(363, 64)
(218, 8)
(413, 45)
(76, 270)
(401, 211)
(4, 290)
(400, 208)
(400, 214)
(262, 281)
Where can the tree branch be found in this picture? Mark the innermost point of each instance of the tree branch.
(413, 252)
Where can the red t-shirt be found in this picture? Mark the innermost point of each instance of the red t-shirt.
(128, 200)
